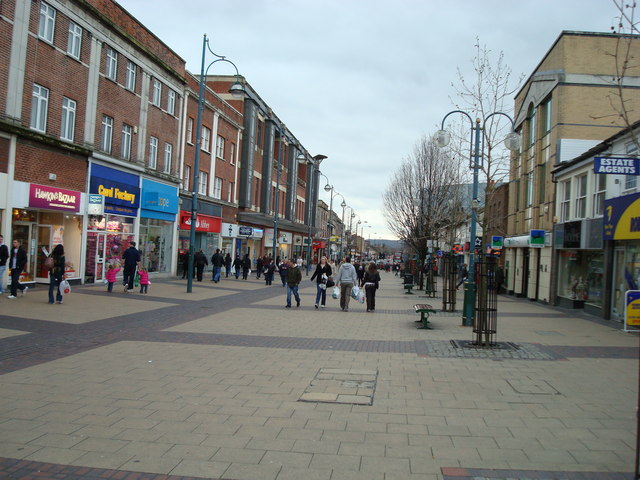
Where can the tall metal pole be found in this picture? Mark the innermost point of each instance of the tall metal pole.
(311, 193)
(470, 290)
(196, 173)
(329, 225)
(276, 206)
(342, 234)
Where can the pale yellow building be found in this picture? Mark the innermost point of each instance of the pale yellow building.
(567, 105)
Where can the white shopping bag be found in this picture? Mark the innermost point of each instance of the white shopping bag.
(336, 293)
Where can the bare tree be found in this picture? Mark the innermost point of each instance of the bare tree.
(422, 201)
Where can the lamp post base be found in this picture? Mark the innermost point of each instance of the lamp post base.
(468, 309)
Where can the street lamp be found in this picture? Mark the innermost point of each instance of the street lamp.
(343, 204)
(313, 180)
(442, 139)
(330, 188)
(238, 91)
(281, 130)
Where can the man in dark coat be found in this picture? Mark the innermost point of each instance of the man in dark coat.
(131, 257)
(246, 266)
(217, 261)
(227, 264)
(199, 262)
(17, 261)
(259, 266)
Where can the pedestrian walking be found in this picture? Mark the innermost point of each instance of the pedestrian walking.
(282, 270)
(4, 256)
(144, 280)
(227, 264)
(237, 266)
(56, 273)
(371, 281)
(499, 280)
(269, 271)
(321, 275)
(217, 261)
(17, 261)
(294, 277)
(360, 272)
(462, 275)
(199, 261)
(246, 266)
(259, 265)
(131, 257)
(184, 261)
(346, 279)
(112, 270)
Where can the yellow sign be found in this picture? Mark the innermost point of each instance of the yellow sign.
(633, 308)
(334, 238)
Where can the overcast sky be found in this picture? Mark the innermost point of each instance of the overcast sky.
(360, 81)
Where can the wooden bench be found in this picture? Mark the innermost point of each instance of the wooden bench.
(408, 287)
(424, 309)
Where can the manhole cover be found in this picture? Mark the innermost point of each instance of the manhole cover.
(342, 385)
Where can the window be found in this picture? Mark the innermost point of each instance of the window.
(74, 40)
(546, 119)
(39, 107)
(206, 139)
(190, 131)
(203, 177)
(130, 79)
(111, 68)
(232, 160)
(630, 181)
(529, 192)
(68, 123)
(542, 179)
(187, 178)
(599, 194)
(565, 206)
(532, 126)
(217, 188)
(156, 93)
(168, 156)
(47, 22)
(220, 147)
(171, 102)
(153, 152)
(230, 193)
(581, 196)
(107, 134)
(127, 130)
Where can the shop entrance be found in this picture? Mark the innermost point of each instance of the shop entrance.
(44, 249)
(22, 232)
(525, 273)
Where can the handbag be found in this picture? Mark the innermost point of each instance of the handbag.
(64, 288)
(48, 263)
(136, 281)
(330, 282)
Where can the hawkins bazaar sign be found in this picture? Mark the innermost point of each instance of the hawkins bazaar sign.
(41, 196)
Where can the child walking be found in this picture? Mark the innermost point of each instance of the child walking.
(144, 280)
(110, 276)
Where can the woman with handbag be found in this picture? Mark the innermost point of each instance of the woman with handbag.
(322, 274)
(371, 283)
(56, 273)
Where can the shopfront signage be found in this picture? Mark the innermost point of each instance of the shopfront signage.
(536, 238)
(632, 308)
(616, 165)
(497, 242)
(120, 189)
(41, 196)
(204, 223)
(316, 244)
(572, 232)
(159, 200)
(95, 204)
(622, 218)
(297, 240)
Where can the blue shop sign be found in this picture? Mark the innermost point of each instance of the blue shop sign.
(120, 189)
(616, 165)
(159, 200)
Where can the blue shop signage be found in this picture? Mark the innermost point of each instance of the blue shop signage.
(159, 200)
(120, 189)
(616, 165)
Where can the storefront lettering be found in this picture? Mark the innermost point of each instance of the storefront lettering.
(634, 224)
(620, 166)
(114, 192)
(51, 196)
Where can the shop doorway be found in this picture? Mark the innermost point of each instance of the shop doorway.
(43, 250)
(103, 249)
(525, 274)
(23, 233)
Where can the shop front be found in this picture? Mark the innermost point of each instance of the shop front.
(249, 242)
(283, 244)
(110, 231)
(580, 261)
(208, 231)
(229, 233)
(43, 218)
(158, 225)
(622, 235)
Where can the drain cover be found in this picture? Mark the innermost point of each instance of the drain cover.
(342, 385)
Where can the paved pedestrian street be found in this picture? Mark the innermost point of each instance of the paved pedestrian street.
(227, 383)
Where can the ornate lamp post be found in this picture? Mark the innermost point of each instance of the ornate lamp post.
(238, 91)
(512, 142)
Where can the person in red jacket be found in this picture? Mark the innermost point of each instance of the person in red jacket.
(144, 280)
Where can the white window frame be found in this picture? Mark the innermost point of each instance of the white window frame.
(130, 78)
(217, 188)
(599, 194)
(565, 205)
(171, 102)
(206, 139)
(156, 92)
(68, 122)
(111, 66)
(547, 116)
(74, 40)
(168, 158)
(220, 147)
(47, 23)
(230, 195)
(106, 137)
(581, 196)
(532, 128)
(190, 131)
(203, 178)
(186, 178)
(232, 159)
(153, 152)
(39, 107)
(127, 136)
(529, 193)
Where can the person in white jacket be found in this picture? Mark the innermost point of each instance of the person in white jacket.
(346, 279)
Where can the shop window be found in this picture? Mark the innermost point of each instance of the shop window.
(74, 40)
(47, 22)
(39, 107)
(581, 276)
